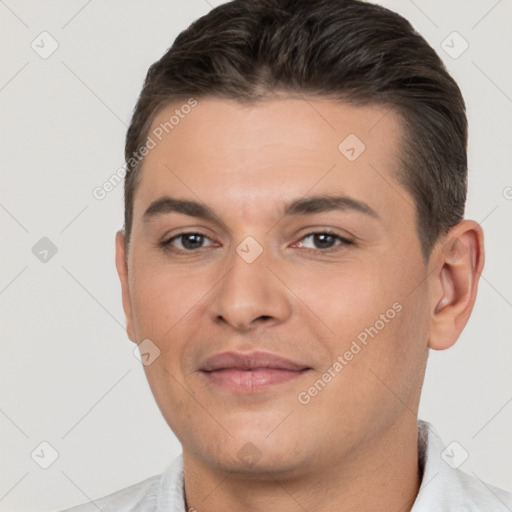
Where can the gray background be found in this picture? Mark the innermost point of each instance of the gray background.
(68, 373)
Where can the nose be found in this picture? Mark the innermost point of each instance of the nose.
(251, 294)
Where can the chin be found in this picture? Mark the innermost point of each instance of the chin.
(253, 452)
(251, 461)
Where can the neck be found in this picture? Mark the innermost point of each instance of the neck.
(383, 475)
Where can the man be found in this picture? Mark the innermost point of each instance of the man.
(294, 245)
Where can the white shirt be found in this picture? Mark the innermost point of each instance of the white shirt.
(442, 489)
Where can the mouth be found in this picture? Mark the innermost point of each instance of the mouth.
(251, 372)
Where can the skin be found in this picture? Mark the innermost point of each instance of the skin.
(354, 445)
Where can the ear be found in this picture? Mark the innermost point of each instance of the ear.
(456, 264)
(122, 271)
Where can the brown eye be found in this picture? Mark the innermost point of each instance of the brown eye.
(185, 242)
(325, 240)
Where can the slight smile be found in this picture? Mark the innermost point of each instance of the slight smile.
(251, 372)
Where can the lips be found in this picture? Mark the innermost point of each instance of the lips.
(250, 372)
(250, 361)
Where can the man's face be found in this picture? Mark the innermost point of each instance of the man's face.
(337, 290)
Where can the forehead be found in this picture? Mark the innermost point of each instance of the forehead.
(247, 158)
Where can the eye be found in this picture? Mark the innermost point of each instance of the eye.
(186, 242)
(325, 241)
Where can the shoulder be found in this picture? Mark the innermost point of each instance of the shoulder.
(138, 497)
(159, 492)
(445, 487)
(482, 495)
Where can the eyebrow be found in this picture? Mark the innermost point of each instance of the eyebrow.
(303, 206)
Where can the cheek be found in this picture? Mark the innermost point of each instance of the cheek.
(163, 299)
(396, 350)
(347, 298)
(384, 311)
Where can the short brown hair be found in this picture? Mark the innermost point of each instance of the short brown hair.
(345, 50)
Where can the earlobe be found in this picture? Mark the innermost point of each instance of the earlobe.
(457, 262)
(122, 271)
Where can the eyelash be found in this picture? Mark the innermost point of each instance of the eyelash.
(166, 244)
